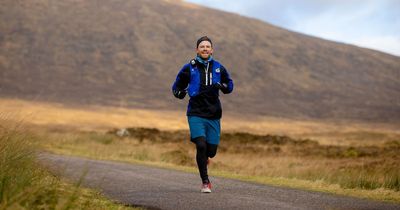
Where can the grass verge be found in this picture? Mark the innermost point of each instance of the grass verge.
(25, 184)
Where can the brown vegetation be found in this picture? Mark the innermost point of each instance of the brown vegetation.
(367, 167)
(340, 156)
(362, 167)
(127, 54)
(26, 184)
(97, 118)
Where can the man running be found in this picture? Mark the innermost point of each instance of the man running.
(202, 78)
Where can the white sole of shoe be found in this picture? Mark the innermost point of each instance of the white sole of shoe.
(205, 190)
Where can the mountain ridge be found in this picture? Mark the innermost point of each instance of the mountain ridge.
(127, 53)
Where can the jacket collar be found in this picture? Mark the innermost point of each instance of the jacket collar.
(204, 62)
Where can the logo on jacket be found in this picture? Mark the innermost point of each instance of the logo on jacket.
(217, 70)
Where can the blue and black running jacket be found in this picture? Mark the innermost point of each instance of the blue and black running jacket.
(202, 80)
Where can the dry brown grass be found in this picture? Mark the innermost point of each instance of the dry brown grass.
(90, 118)
(366, 171)
(26, 184)
(331, 157)
(97, 118)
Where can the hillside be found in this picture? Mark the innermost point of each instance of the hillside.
(127, 53)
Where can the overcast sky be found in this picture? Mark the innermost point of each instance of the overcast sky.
(373, 24)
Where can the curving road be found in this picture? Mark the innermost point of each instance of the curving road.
(156, 188)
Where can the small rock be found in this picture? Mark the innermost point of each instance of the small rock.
(123, 132)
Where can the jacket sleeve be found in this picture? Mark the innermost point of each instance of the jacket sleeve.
(226, 79)
(181, 82)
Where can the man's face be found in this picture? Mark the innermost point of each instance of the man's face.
(204, 50)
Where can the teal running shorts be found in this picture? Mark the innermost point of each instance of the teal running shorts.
(210, 129)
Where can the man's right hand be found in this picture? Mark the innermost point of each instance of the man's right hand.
(179, 93)
(221, 86)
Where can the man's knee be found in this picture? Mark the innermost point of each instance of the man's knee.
(211, 150)
(201, 143)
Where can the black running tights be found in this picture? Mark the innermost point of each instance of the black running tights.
(204, 151)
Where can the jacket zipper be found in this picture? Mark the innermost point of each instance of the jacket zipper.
(210, 78)
(208, 64)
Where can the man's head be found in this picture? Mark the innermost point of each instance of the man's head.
(204, 47)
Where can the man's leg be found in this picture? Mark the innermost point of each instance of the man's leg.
(213, 130)
(201, 157)
(197, 136)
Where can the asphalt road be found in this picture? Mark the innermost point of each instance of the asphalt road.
(156, 188)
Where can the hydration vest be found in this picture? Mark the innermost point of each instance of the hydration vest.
(195, 77)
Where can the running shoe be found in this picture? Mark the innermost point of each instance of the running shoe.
(206, 188)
